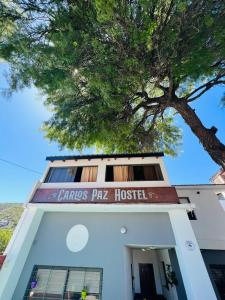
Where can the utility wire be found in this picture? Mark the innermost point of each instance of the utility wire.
(19, 166)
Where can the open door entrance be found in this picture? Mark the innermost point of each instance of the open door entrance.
(147, 281)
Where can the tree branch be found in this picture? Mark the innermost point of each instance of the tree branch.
(203, 88)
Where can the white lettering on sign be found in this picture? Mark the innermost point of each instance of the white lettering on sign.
(95, 195)
(99, 195)
(121, 194)
(72, 195)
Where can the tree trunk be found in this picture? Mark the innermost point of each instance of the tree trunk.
(207, 137)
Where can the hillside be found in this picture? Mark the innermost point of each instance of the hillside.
(10, 214)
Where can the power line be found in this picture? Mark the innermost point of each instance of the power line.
(19, 166)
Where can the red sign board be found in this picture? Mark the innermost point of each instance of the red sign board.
(106, 195)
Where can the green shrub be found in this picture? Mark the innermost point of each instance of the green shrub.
(5, 236)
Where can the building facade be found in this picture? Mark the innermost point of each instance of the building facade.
(112, 227)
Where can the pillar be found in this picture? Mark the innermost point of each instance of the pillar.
(194, 273)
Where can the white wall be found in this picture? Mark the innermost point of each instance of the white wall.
(145, 257)
(210, 224)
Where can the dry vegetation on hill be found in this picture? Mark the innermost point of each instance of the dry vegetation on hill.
(9, 216)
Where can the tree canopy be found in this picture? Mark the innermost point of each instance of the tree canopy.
(114, 72)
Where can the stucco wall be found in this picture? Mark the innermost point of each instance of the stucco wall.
(105, 248)
(210, 223)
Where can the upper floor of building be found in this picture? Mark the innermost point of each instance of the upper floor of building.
(126, 178)
(105, 179)
(127, 170)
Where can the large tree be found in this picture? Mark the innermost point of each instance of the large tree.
(115, 71)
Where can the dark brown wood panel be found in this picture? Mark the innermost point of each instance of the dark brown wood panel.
(107, 195)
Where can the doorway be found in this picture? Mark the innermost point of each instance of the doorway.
(147, 281)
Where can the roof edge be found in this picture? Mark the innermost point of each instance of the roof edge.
(101, 156)
(199, 185)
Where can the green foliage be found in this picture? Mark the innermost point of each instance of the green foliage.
(112, 69)
(5, 236)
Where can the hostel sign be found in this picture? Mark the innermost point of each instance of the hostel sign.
(106, 195)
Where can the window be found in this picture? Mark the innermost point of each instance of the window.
(72, 174)
(133, 173)
(63, 283)
(218, 276)
(191, 214)
(220, 196)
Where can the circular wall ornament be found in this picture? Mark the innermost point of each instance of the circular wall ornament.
(77, 238)
(190, 245)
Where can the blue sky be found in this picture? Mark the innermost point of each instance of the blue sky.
(23, 142)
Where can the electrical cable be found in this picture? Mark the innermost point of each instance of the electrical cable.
(19, 166)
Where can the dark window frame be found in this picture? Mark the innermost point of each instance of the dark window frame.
(158, 171)
(67, 269)
(191, 214)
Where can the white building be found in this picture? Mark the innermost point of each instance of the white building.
(219, 177)
(114, 226)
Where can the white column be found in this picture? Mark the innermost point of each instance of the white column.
(18, 251)
(194, 273)
(101, 172)
(128, 292)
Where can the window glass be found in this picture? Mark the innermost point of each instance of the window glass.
(76, 281)
(64, 283)
(61, 174)
(42, 278)
(133, 173)
(92, 280)
(48, 283)
(72, 174)
(56, 282)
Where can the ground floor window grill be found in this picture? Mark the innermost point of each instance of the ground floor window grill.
(50, 282)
